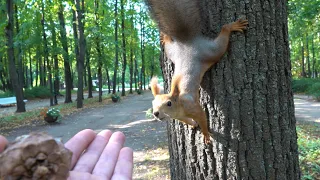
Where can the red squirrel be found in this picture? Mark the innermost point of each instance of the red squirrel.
(192, 54)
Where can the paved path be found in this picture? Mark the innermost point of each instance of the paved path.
(38, 103)
(306, 109)
(127, 116)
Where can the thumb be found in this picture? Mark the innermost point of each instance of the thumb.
(3, 143)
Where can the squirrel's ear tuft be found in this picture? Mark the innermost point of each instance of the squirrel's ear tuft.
(154, 86)
(175, 91)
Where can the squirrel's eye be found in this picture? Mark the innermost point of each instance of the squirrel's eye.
(169, 103)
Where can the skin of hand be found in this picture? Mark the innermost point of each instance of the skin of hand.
(97, 156)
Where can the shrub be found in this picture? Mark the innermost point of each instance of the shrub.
(37, 92)
(6, 94)
(302, 85)
(314, 90)
(115, 97)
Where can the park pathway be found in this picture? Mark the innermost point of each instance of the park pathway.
(306, 109)
(127, 116)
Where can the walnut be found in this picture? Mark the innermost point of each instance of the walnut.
(35, 156)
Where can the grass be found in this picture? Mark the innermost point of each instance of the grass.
(152, 164)
(309, 149)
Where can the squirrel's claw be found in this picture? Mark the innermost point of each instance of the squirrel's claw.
(206, 138)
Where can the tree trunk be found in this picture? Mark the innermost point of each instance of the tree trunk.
(20, 67)
(313, 60)
(46, 53)
(98, 48)
(136, 73)
(248, 101)
(56, 81)
(64, 42)
(89, 71)
(116, 62)
(142, 75)
(131, 69)
(108, 79)
(30, 68)
(38, 60)
(308, 56)
(303, 69)
(124, 65)
(80, 62)
(12, 67)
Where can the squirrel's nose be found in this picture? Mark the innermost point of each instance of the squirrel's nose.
(156, 114)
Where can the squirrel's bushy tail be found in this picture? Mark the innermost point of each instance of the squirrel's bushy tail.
(178, 19)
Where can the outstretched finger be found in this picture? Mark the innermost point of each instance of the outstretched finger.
(124, 165)
(78, 143)
(3, 143)
(90, 157)
(108, 159)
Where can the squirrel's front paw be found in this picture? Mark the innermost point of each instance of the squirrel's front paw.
(239, 25)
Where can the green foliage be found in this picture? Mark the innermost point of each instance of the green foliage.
(139, 91)
(37, 92)
(302, 85)
(6, 94)
(314, 90)
(308, 86)
(53, 112)
(149, 114)
(304, 25)
(115, 97)
(309, 154)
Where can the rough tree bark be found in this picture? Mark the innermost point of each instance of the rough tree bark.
(247, 97)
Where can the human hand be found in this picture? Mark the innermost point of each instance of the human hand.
(3, 143)
(97, 157)
(100, 156)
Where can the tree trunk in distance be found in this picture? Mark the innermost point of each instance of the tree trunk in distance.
(30, 68)
(313, 59)
(20, 66)
(124, 65)
(82, 50)
(46, 54)
(303, 73)
(248, 100)
(66, 62)
(308, 56)
(89, 72)
(116, 62)
(12, 67)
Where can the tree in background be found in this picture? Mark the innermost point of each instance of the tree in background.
(304, 27)
(16, 84)
(48, 42)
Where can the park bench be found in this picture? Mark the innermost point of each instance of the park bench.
(8, 101)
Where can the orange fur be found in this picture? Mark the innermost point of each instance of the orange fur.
(154, 86)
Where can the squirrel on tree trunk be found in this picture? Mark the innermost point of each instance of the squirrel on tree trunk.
(192, 54)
